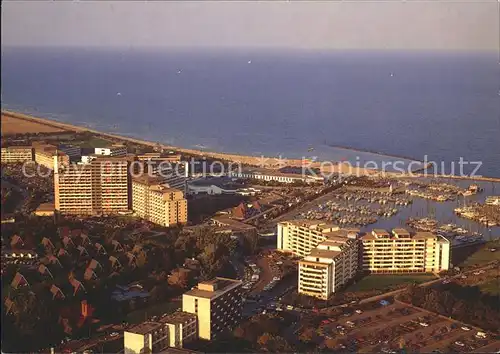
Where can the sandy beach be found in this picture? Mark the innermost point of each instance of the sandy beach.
(18, 123)
(13, 122)
(11, 125)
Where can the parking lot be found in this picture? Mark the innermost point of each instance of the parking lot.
(387, 328)
(265, 270)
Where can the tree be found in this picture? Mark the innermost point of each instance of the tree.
(331, 343)
(239, 332)
(141, 259)
(250, 243)
(31, 317)
(179, 278)
(307, 335)
(264, 340)
(273, 343)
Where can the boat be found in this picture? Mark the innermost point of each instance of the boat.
(493, 200)
(475, 188)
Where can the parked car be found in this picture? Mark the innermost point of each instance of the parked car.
(481, 335)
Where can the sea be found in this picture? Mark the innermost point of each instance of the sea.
(440, 106)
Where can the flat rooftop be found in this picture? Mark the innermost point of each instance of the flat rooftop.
(231, 223)
(178, 317)
(269, 172)
(157, 156)
(148, 180)
(347, 231)
(170, 350)
(381, 232)
(311, 223)
(401, 231)
(17, 147)
(334, 241)
(144, 328)
(46, 207)
(323, 253)
(212, 288)
(421, 235)
(222, 182)
(127, 157)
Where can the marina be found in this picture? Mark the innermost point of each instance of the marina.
(493, 200)
(357, 208)
(488, 215)
(440, 192)
(445, 211)
(385, 204)
(457, 235)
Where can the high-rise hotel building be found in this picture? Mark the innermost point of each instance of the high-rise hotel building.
(301, 236)
(153, 201)
(216, 303)
(171, 331)
(95, 188)
(13, 154)
(173, 174)
(403, 252)
(115, 150)
(49, 155)
(330, 265)
(331, 257)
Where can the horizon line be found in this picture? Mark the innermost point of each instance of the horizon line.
(201, 48)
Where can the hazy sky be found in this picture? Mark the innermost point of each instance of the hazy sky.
(412, 24)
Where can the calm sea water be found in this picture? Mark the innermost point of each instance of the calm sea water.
(445, 106)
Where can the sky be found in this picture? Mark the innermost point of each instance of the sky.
(471, 25)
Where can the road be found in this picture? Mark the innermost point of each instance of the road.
(396, 292)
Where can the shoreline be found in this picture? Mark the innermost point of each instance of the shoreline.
(263, 161)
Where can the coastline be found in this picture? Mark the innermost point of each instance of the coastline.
(260, 161)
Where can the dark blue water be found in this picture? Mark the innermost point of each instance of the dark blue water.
(446, 106)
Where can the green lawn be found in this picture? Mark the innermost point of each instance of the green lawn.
(142, 315)
(94, 142)
(483, 255)
(383, 282)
